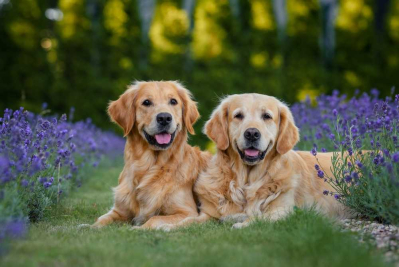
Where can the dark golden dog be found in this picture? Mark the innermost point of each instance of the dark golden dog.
(156, 183)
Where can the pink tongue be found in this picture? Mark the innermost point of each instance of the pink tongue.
(251, 152)
(163, 138)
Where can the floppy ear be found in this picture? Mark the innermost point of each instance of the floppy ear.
(122, 111)
(190, 111)
(288, 132)
(217, 128)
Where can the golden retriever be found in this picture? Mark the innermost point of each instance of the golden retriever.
(156, 183)
(255, 173)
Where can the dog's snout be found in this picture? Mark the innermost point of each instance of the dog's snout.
(252, 134)
(164, 118)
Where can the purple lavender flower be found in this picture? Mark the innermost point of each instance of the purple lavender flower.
(395, 157)
(389, 168)
(63, 118)
(13, 229)
(359, 164)
(335, 112)
(24, 183)
(34, 148)
(320, 174)
(313, 151)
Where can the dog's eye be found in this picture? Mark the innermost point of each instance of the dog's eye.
(239, 116)
(147, 103)
(266, 116)
(173, 102)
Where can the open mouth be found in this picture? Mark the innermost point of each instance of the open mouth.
(161, 140)
(252, 154)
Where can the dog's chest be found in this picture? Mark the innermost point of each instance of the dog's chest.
(155, 187)
(245, 194)
(234, 199)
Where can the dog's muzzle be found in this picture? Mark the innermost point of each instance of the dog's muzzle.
(160, 140)
(251, 154)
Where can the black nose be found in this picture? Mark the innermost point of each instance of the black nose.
(164, 118)
(252, 134)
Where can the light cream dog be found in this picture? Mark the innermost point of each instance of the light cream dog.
(255, 173)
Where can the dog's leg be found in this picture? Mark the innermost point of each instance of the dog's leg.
(274, 215)
(281, 206)
(243, 224)
(108, 218)
(157, 221)
(278, 207)
(278, 213)
(202, 217)
(235, 218)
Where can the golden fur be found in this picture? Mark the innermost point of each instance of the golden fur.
(155, 185)
(231, 188)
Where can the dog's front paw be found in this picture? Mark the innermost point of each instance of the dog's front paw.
(235, 218)
(134, 228)
(240, 225)
(166, 227)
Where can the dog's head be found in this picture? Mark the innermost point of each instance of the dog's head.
(252, 125)
(158, 110)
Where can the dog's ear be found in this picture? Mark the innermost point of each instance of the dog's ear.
(288, 132)
(217, 126)
(122, 111)
(190, 111)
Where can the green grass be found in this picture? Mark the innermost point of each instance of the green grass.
(303, 239)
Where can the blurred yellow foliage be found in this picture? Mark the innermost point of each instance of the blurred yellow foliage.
(23, 34)
(393, 22)
(262, 17)
(115, 18)
(259, 60)
(126, 63)
(169, 22)
(208, 34)
(308, 91)
(21, 29)
(211, 147)
(277, 61)
(352, 78)
(393, 60)
(354, 15)
(46, 43)
(297, 11)
(52, 56)
(72, 19)
(29, 9)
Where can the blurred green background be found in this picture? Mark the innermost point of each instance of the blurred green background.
(83, 53)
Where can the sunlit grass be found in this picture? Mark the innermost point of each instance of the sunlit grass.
(304, 239)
